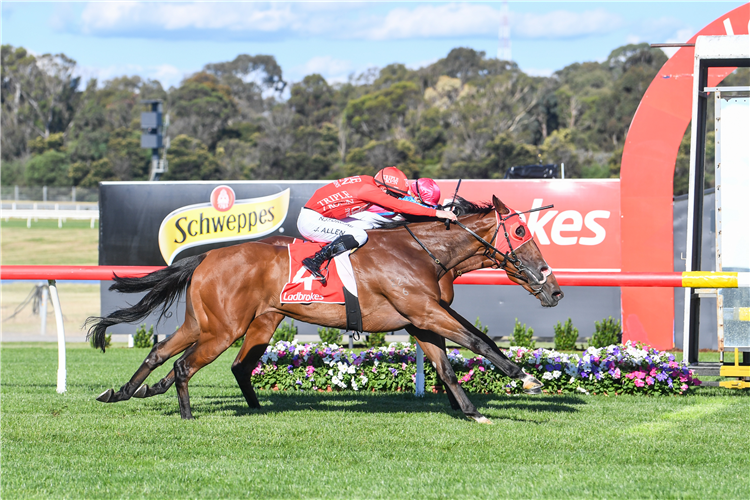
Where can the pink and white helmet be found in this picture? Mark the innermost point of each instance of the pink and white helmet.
(426, 190)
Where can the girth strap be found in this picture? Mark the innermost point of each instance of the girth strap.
(432, 256)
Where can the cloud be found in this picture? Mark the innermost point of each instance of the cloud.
(166, 74)
(562, 24)
(437, 21)
(538, 72)
(333, 70)
(348, 21)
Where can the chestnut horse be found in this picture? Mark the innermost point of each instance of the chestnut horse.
(398, 285)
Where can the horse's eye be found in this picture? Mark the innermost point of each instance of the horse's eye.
(520, 231)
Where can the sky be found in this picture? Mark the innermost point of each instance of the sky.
(168, 41)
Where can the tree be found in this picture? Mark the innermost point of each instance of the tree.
(48, 169)
(189, 159)
(202, 107)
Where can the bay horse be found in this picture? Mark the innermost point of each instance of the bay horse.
(398, 285)
(254, 346)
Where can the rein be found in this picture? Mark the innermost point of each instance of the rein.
(432, 256)
(491, 252)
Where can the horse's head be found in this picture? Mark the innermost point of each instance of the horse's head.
(521, 257)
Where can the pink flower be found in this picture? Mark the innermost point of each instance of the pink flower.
(673, 364)
(650, 380)
(310, 370)
(638, 382)
(653, 372)
(696, 382)
(631, 375)
(617, 373)
(683, 378)
(639, 374)
(374, 370)
(256, 370)
(403, 366)
(684, 387)
(481, 368)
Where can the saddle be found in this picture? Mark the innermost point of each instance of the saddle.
(338, 288)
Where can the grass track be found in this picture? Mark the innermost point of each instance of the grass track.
(347, 445)
(75, 244)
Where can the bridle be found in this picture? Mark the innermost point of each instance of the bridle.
(521, 273)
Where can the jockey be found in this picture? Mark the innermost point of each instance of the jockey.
(337, 213)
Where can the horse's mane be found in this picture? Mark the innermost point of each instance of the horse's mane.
(460, 205)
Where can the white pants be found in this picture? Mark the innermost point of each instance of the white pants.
(315, 227)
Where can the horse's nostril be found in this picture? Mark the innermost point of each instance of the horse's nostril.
(558, 295)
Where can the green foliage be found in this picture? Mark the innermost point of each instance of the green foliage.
(565, 336)
(330, 335)
(48, 169)
(464, 116)
(285, 332)
(606, 333)
(375, 339)
(522, 336)
(143, 338)
(482, 328)
(107, 341)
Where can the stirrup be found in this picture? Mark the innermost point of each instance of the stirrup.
(310, 264)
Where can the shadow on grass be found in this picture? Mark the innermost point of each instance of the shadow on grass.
(276, 402)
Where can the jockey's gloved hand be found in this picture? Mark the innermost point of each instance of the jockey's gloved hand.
(445, 214)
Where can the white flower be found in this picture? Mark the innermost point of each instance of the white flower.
(335, 380)
(351, 369)
(581, 389)
(556, 374)
(363, 379)
(354, 386)
(547, 376)
(330, 373)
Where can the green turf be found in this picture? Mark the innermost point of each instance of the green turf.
(347, 445)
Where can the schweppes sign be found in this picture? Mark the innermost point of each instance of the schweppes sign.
(222, 219)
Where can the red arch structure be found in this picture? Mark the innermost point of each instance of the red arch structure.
(646, 184)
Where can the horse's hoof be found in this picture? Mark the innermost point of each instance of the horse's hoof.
(141, 391)
(531, 385)
(105, 396)
(483, 420)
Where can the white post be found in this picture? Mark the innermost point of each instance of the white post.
(419, 382)
(131, 341)
(43, 311)
(62, 372)
(562, 170)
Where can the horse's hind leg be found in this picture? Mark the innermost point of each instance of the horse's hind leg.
(434, 347)
(162, 386)
(256, 339)
(161, 352)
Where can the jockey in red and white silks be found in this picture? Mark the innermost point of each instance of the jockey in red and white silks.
(337, 213)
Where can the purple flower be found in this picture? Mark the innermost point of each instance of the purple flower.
(394, 372)
(661, 376)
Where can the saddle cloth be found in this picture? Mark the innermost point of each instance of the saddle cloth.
(303, 288)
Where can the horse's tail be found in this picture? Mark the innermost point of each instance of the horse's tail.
(164, 287)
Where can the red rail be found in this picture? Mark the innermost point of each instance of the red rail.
(73, 272)
(479, 277)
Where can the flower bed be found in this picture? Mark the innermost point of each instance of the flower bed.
(612, 370)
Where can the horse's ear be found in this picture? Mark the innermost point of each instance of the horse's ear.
(499, 206)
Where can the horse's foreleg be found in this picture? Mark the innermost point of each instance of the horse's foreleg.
(434, 347)
(258, 335)
(441, 319)
(161, 352)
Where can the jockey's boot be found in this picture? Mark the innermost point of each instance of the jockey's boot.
(331, 250)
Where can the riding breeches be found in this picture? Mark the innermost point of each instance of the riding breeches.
(315, 227)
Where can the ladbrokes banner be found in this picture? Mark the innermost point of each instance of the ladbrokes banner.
(155, 223)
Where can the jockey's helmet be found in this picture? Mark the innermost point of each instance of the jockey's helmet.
(393, 181)
(426, 190)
